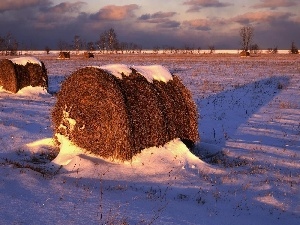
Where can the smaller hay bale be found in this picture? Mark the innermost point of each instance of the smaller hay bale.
(88, 55)
(64, 55)
(244, 53)
(18, 73)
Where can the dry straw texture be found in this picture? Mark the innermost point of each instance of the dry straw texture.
(14, 77)
(117, 118)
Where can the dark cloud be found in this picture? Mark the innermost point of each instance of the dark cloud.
(156, 17)
(161, 19)
(113, 12)
(169, 24)
(274, 4)
(196, 5)
(261, 17)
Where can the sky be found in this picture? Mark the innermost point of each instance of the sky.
(156, 23)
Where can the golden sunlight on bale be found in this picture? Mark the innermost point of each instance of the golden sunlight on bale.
(18, 73)
(117, 116)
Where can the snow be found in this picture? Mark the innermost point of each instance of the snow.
(117, 69)
(246, 169)
(150, 72)
(24, 60)
(154, 72)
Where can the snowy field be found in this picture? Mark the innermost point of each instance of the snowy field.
(245, 170)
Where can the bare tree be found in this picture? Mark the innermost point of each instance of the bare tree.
(77, 43)
(2, 45)
(254, 48)
(246, 34)
(47, 49)
(102, 43)
(211, 49)
(62, 45)
(90, 46)
(112, 40)
(10, 44)
(294, 49)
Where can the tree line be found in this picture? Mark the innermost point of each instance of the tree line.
(108, 42)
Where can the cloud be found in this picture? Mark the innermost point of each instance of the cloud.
(169, 24)
(274, 4)
(10, 5)
(161, 19)
(196, 5)
(157, 15)
(65, 7)
(261, 17)
(197, 24)
(115, 13)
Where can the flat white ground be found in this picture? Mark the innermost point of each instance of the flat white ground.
(245, 170)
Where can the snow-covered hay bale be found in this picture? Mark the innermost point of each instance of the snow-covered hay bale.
(115, 111)
(18, 73)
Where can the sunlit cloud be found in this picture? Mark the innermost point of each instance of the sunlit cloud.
(113, 12)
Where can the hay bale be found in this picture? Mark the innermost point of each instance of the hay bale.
(38, 74)
(64, 55)
(8, 77)
(88, 55)
(116, 116)
(18, 73)
(244, 53)
(101, 125)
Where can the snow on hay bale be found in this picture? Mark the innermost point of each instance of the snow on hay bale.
(18, 73)
(120, 110)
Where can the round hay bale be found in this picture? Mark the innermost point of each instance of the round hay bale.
(116, 116)
(8, 78)
(38, 74)
(98, 120)
(189, 132)
(244, 53)
(144, 108)
(18, 73)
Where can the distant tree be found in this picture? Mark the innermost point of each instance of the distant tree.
(47, 49)
(246, 34)
(155, 49)
(254, 48)
(2, 45)
(102, 42)
(112, 40)
(77, 43)
(273, 50)
(294, 49)
(62, 45)
(211, 49)
(199, 50)
(10, 44)
(91, 46)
